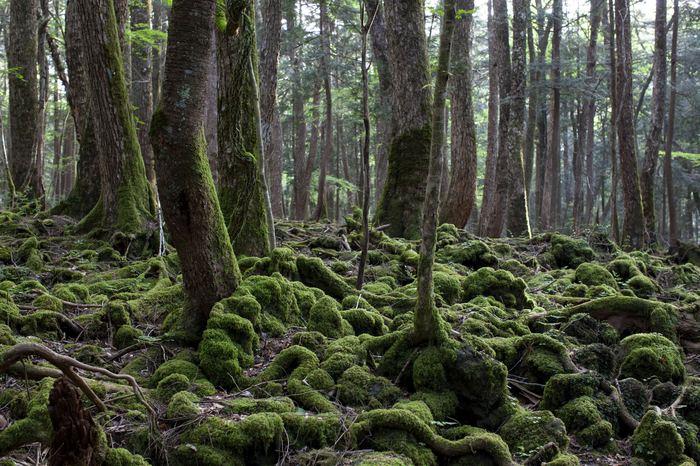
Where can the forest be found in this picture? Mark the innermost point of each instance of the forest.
(349, 232)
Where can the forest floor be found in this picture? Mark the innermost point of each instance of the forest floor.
(560, 351)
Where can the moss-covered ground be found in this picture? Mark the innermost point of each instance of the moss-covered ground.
(562, 351)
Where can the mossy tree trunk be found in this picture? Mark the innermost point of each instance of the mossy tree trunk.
(125, 202)
(401, 203)
(633, 224)
(241, 188)
(462, 187)
(22, 60)
(187, 194)
(658, 102)
(141, 74)
(321, 211)
(426, 326)
(86, 190)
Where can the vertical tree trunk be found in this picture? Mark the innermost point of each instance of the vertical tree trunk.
(668, 152)
(365, 27)
(409, 151)
(211, 114)
(160, 16)
(68, 158)
(380, 55)
(462, 184)
(633, 224)
(658, 102)
(56, 143)
(190, 204)
(299, 208)
(22, 59)
(551, 186)
(125, 202)
(322, 200)
(541, 118)
(609, 38)
(270, 39)
(141, 83)
(241, 185)
(426, 324)
(518, 221)
(588, 129)
(492, 131)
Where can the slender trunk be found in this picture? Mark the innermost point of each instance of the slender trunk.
(40, 140)
(462, 184)
(125, 202)
(492, 131)
(190, 204)
(211, 115)
(141, 82)
(241, 184)
(589, 109)
(541, 120)
(322, 200)
(532, 104)
(668, 165)
(633, 224)
(315, 139)
(300, 202)
(426, 326)
(658, 102)
(365, 29)
(67, 158)
(409, 153)
(270, 39)
(56, 140)
(551, 187)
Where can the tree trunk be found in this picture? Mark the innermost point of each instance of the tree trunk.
(56, 140)
(86, 189)
(668, 152)
(609, 38)
(541, 118)
(270, 38)
(633, 224)
(160, 16)
(492, 130)
(551, 187)
(322, 200)
(22, 59)
(68, 158)
(141, 82)
(658, 102)
(125, 202)
(518, 221)
(365, 27)
(380, 55)
(190, 204)
(401, 203)
(462, 185)
(426, 324)
(241, 185)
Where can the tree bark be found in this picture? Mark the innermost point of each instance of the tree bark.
(321, 211)
(461, 192)
(22, 60)
(609, 38)
(401, 203)
(426, 324)
(633, 224)
(668, 152)
(125, 203)
(56, 143)
(241, 184)
(190, 204)
(541, 117)
(270, 39)
(653, 140)
(141, 81)
(551, 187)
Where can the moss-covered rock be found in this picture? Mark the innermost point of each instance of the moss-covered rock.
(569, 252)
(313, 272)
(183, 405)
(126, 336)
(657, 440)
(651, 355)
(500, 284)
(593, 274)
(358, 387)
(527, 431)
(325, 318)
(473, 253)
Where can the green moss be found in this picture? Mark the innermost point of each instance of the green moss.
(274, 294)
(569, 252)
(443, 405)
(249, 406)
(48, 303)
(6, 336)
(183, 405)
(657, 440)
(528, 431)
(586, 329)
(35, 427)
(313, 272)
(126, 336)
(565, 387)
(564, 460)
(325, 318)
(364, 321)
(500, 284)
(473, 253)
(593, 274)
(312, 431)
(315, 341)
(649, 355)
(643, 286)
(174, 366)
(447, 286)
(596, 357)
(123, 457)
(170, 385)
(358, 387)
